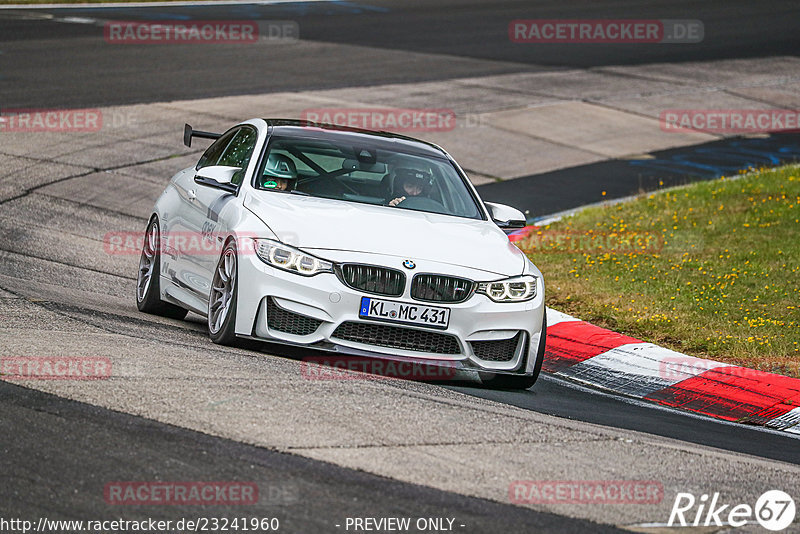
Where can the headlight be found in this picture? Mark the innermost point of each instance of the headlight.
(517, 289)
(290, 259)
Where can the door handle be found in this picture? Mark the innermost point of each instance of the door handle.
(192, 194)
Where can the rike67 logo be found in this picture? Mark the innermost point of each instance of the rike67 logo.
(774, 510)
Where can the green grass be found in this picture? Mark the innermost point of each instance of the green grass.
(710, 269)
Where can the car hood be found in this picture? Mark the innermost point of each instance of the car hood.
(324, 224)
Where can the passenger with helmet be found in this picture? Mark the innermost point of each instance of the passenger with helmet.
(280, 173)
(409, 183)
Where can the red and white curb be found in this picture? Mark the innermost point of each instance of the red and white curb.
(608, 360)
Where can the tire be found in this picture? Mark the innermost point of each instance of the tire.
(520, 381)
(222, 298)
(148, 292)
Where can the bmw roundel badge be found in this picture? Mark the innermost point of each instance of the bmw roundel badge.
(408, 264)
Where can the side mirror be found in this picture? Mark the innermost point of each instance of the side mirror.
(218, 176)
(506, 217)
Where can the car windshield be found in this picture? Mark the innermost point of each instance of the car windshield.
(343, 170)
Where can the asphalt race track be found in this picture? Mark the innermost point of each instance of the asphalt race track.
(351, 43)
(59, 453)
(306, 495)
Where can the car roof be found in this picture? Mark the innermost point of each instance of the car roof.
(332, 132)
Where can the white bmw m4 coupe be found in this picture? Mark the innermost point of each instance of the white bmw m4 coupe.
(366, 244)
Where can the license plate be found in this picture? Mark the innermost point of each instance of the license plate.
(402, 312)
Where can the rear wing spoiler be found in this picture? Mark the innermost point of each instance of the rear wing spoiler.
(188, 133)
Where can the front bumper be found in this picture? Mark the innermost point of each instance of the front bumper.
(482, 335)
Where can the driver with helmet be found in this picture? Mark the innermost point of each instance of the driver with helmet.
(409, 183)
(280, 173)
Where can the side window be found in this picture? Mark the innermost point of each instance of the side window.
(212, 153)
(239, 152)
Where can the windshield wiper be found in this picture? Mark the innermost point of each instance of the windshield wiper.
(301, 193)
